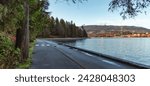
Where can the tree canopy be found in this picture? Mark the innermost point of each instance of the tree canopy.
(75, 1)
(129, 8)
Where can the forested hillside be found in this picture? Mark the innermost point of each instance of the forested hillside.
(21, 22)
(116, 31)
(108, 28)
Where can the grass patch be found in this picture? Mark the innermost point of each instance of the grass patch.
(28, 62)
(24, 65)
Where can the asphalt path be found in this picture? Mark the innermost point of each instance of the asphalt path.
(50, 55)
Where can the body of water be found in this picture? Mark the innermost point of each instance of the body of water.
(134, 49)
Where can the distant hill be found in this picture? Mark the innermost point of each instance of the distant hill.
(109, 28)
(116, 31)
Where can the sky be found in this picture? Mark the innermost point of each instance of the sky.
(94, 12)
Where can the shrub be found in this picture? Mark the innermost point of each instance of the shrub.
(9, 56)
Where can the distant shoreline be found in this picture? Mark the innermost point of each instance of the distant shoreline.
(119, 37)
(74, 39)
(65, 39)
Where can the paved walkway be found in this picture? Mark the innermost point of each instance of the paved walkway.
(49, 55)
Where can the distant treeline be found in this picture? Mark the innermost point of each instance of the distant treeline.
(62, 28)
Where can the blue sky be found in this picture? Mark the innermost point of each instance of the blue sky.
(94, 12)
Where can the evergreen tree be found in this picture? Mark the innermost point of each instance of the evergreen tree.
(63, 28)
(52, 25)
(57, 27)
(84, 32)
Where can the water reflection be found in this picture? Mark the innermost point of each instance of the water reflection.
(134, 49)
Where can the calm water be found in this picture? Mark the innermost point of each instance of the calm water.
(134, 49)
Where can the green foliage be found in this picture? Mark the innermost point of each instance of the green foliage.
(27, 63)
(37, 13)
(11, 15)
(3, 11)
(129, 8)
(9, 56)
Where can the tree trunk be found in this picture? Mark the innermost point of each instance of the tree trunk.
(19, 33)
(25, 34)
